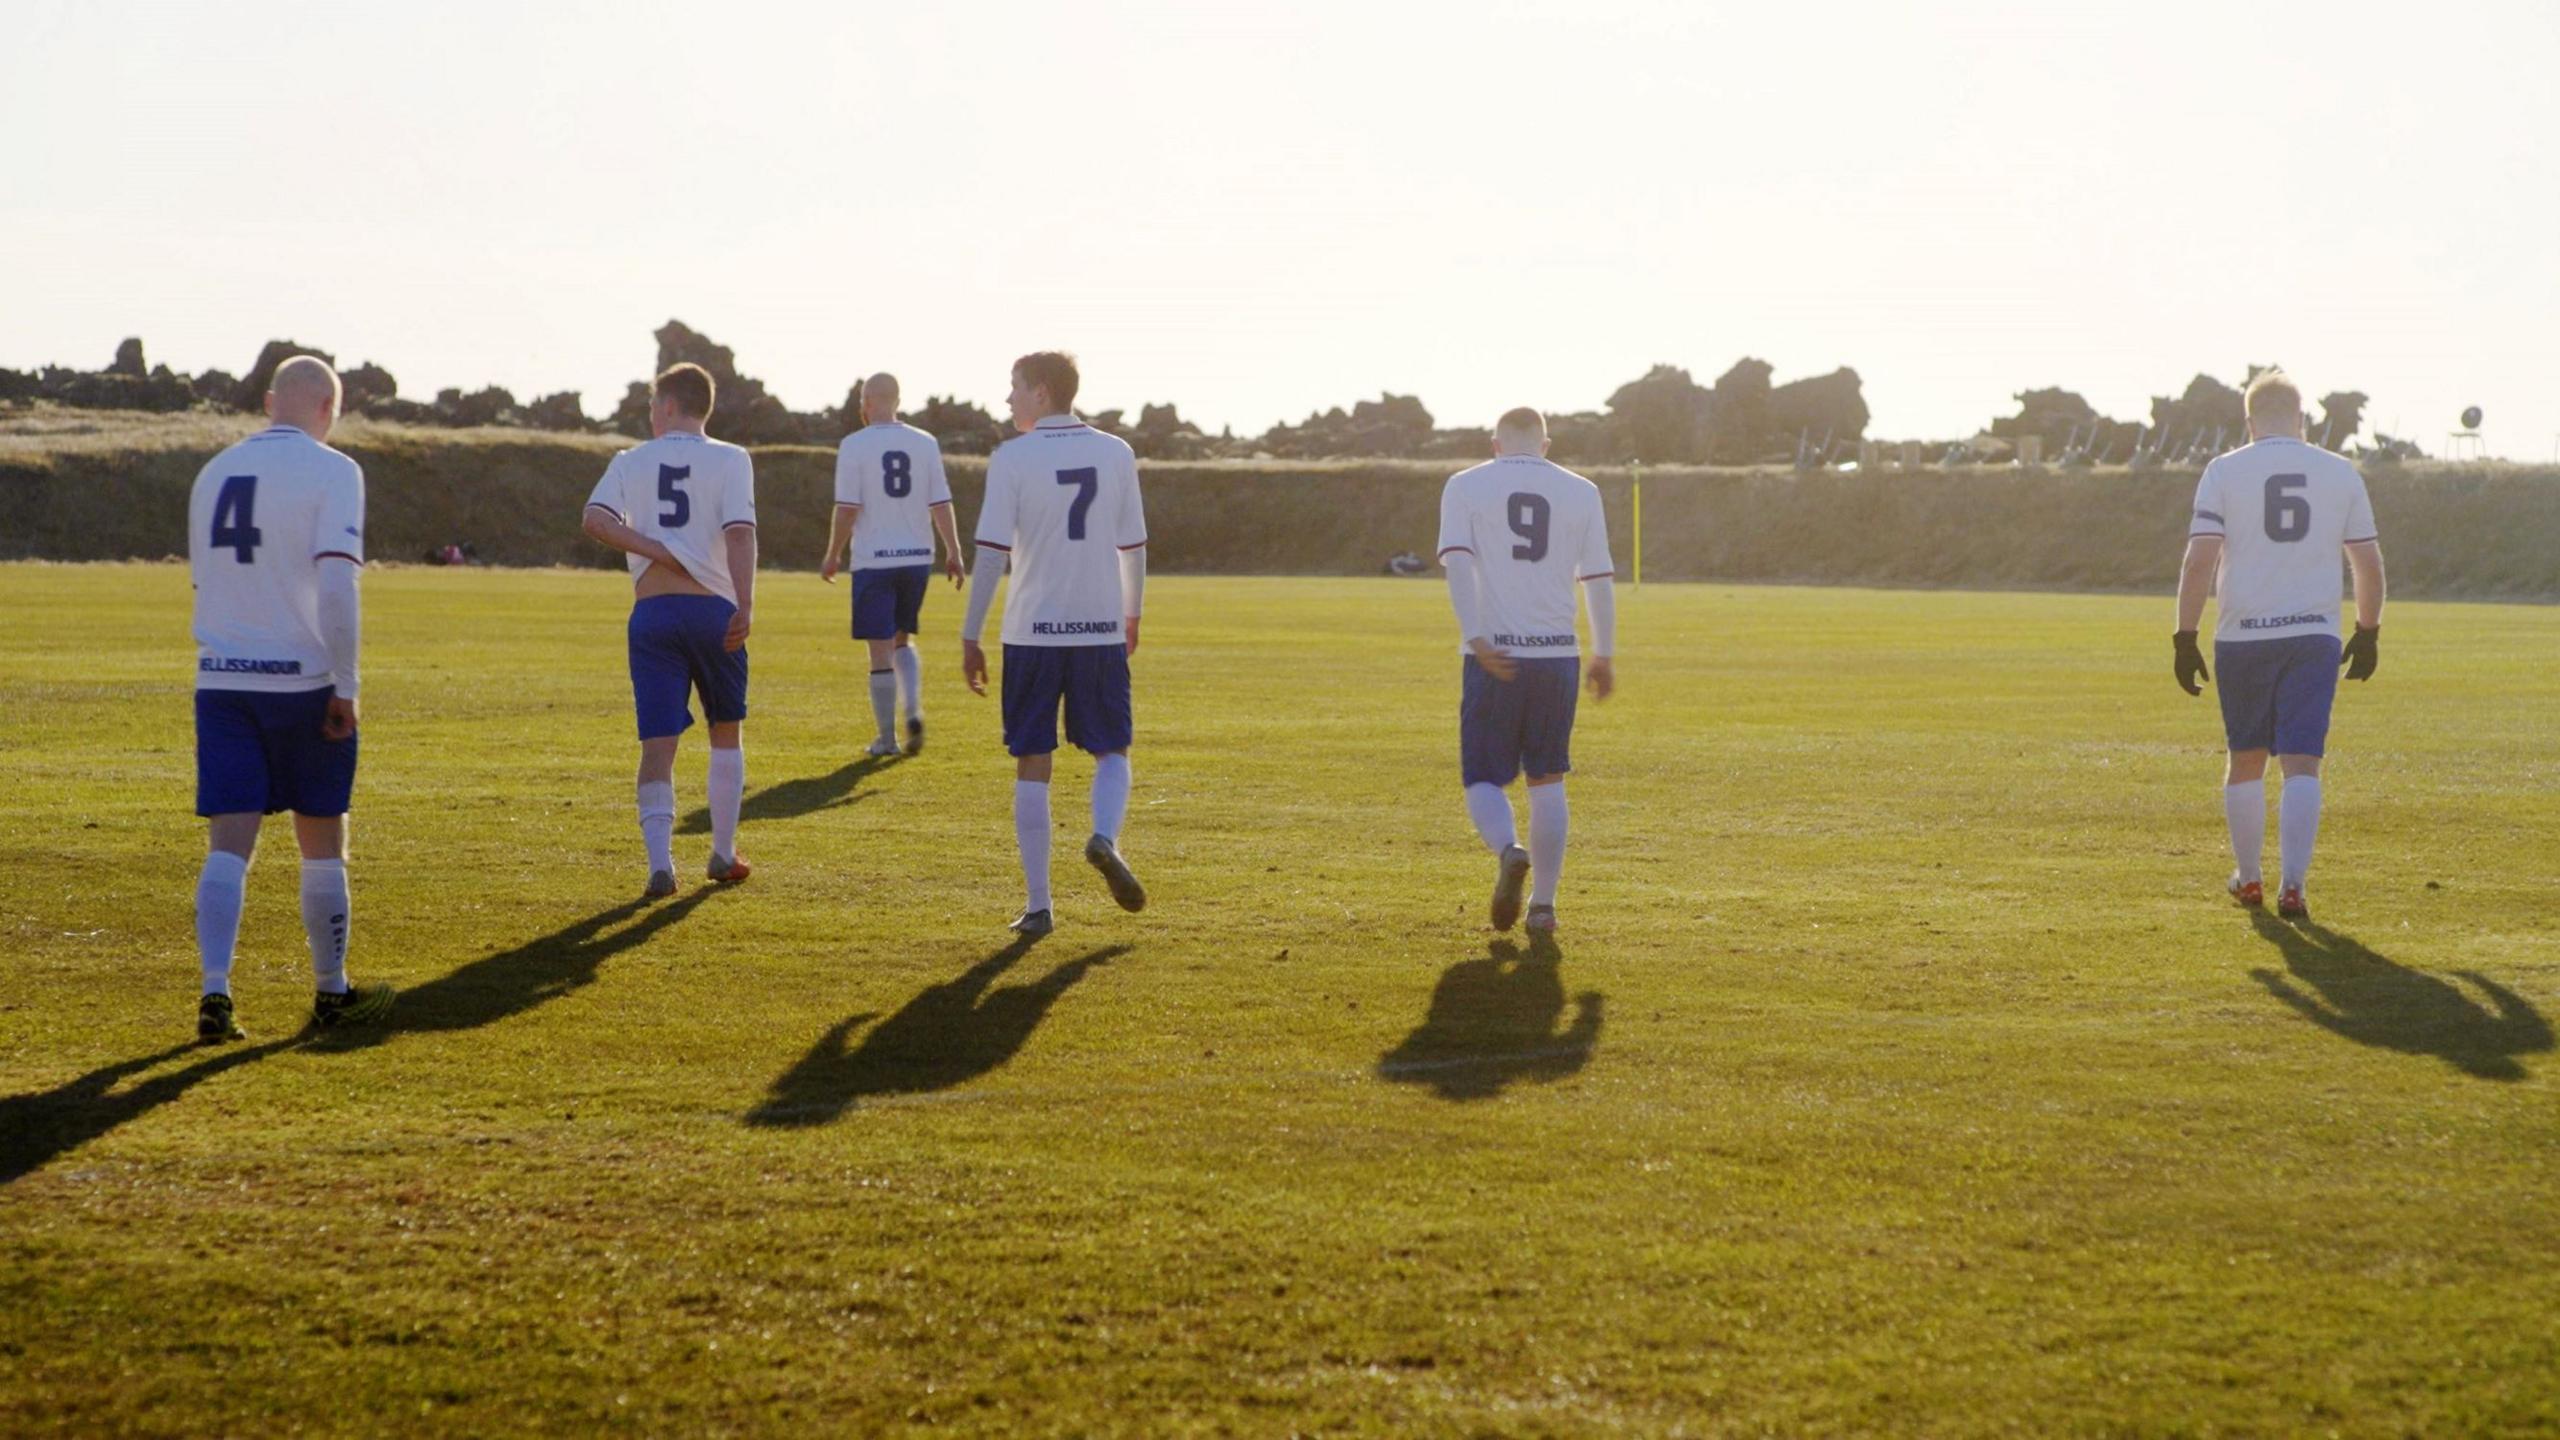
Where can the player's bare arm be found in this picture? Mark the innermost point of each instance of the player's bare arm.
(609, 528)
(740, 539)
(2195, 582)
(839, 536)
(947, 526)
(2363, 653)
(1133, 589)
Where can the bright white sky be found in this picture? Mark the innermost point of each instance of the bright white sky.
(1257, 211)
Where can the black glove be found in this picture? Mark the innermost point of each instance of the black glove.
(2190, 662)
(2361, 655)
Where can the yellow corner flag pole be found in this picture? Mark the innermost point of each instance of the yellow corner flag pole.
(1636, 500)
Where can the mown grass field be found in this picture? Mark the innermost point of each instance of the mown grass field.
(1899, 1069)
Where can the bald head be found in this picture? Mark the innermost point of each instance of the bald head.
(304, 394)
(1520, 432)
(880, 398)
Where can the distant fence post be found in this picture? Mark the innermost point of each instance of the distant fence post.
(1635, 504)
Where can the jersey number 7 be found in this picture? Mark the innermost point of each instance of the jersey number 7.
(1087, 480)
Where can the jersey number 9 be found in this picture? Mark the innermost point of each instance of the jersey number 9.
(235, 509)
(679, 504)
(1528, 514)
(897, 474)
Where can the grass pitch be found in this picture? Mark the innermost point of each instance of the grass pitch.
(1900, 1068)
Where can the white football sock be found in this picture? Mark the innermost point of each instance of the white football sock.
(658, 823)
(1546, 841)
(2297, 826)
(1031, 837)
(1110, 796)
(727, 787)
(1490, 808)
(219, 888)
(2244, 806)
(324, 922)
(910, 668)
(884, 702)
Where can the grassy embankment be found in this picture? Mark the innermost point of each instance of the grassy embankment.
(2452, 532)
(1901, 1067)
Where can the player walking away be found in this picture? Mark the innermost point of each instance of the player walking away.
(2270, 520)
(891, 500)
(1062, 505)
(1516, 533)
(275, 538)
(683, 507)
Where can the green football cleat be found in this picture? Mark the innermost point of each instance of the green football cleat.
(355, 1005)
(1104, 856)
(214, 1024)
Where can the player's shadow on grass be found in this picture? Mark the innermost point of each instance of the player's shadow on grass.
(36, 1127)
(948, 1035)
(515, 980)
(1494, 1022)
(805, 796)
(2372, 1000)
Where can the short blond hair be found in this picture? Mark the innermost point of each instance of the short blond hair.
(2273, 396)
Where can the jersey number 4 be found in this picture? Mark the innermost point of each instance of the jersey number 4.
(1529, 515)
(2288, 514)
(235, 509)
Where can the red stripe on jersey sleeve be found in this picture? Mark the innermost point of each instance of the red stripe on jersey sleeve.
(1457, 550)
(337, 555)
(734, 524)
(991, 545)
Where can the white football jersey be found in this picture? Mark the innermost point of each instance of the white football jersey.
(1536, 529)
(262, 517)
(1063, 499)
(894, 472)
(684, 491)
(2284, 509)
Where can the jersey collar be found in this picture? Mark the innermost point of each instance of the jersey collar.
(1058, 422)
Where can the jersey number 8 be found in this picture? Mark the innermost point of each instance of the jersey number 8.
(897, 474)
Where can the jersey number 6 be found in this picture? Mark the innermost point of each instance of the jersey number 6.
(2288, 514)
(1528, 514)
(679, 504)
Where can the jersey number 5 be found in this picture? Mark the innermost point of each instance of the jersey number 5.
(679, 504)
(1528, 515)
(2288, 514)
(1087, 480)
(235, 509)
(897, 474)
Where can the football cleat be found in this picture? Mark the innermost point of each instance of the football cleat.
(214, 1024)
(1104, 856)
(2250, 893)
(355, 1005)
(1542, 920)
(1509, 880)
(662, 883)
(915, 735)
(1032, 924)
(2290, 906)
(729, 871)
(881, 748)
